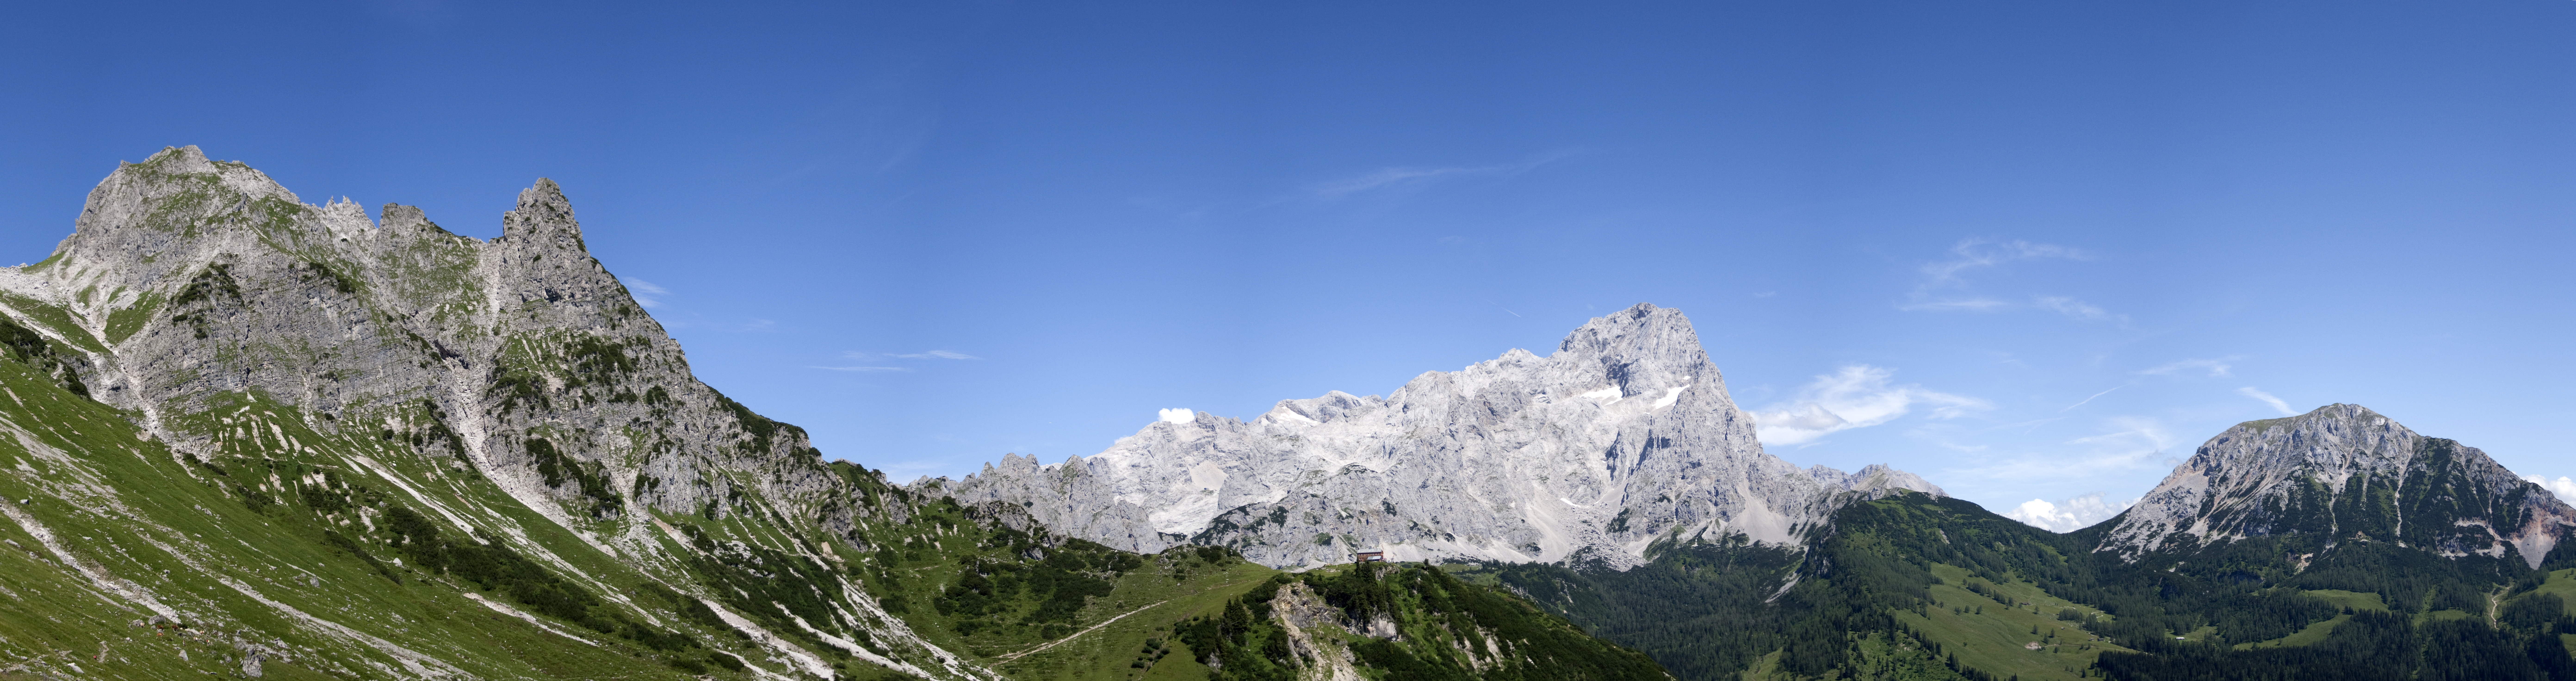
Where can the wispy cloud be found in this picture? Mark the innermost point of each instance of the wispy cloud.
(2072, 407)
(925, 354)
(2267, 398)
(2137, 436)
(2079, 310)
(1409, 177)
(1980, 253)
(1945, 286)
(2217, 368)
(1857, 396)
(2068, 515)
(643, 291)
(2128, 444)
(1956, 305)
(2564, 486)
(873, 357)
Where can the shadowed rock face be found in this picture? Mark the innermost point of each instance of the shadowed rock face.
(1625, 435)
(2347, 474)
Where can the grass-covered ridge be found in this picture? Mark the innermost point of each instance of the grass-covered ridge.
(1909, 586)
(150, 565)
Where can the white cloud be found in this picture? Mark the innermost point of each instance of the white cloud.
(1956, 305)
(2078, 309)
(927, 354)
(2067, 515)
(2125, 447)
(2564, 486)
(2139, 436)
(1857, 396)
(1386, 178)
(2267, 398)
(2072, 407)
(1177, 415)
(643, 292)
(1944, 286)
(2217, 368)
(1976, 253)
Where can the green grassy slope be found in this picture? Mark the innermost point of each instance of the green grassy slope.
(115, 530)
(1993, 626)
(1900, 581)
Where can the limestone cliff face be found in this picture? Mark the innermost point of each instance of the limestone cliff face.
(2343, 473)
(189, 277)
(1625, 435)
(190, 284)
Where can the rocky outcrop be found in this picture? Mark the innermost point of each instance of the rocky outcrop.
(193, 290)
(1299, 613)
(2346, 474)
(1622, 437)
(190, 278)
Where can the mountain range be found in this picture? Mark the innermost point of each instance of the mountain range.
(255, 437)
(1622, 437)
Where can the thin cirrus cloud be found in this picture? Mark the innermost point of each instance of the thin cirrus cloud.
(2137, 439)
(2089, 400)
(1958, 305)
(2078, 310)
(1974, 254)
(2267, 398)
(1404, 178)
(1945, 286)
(643, 292)
(2129, 444)
(1856, 396)
(2217, 368)
(866, 356)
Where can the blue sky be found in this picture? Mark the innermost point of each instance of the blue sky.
(2039, 249)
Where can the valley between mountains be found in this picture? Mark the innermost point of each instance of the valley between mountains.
(250, 437)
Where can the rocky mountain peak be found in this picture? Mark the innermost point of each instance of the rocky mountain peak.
(2345, 474)
(1624, 437)
(267, 343)
(543, 218)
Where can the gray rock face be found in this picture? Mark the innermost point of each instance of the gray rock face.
(2346, 474)
(1624, 436)
(190, 277)
(190, 284)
